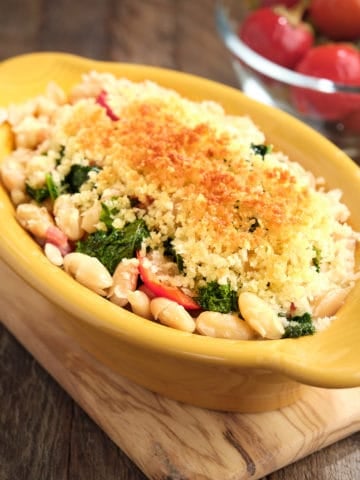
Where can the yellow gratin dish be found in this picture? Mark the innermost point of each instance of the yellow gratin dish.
(222, 374)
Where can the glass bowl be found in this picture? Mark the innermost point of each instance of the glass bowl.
(277, 86)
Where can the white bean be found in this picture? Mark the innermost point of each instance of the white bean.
(88, 271)
(223, 325)
(90, 218)
(67, 217)
(172, 314)
(260, 316)
(17, 113)
(18, 196)
(36, 169)
(33, 218)
(124, 281)
(47, 105)
(329, 304)
(140, 304)
(30, 132)
(53, 254)
(13, 174)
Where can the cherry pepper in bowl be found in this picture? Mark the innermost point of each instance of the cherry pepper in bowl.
(339, 62)
(337, 19)
(277, 34)
(272, 3)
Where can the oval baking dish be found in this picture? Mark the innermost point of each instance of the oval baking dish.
(212, 373)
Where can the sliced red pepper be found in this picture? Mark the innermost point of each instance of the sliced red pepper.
(147, 291)
(58, 238)
(102, 100)
(161, 290)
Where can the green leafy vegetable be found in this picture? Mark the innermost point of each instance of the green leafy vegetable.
(107, 215)
(317, 259)
(53, 189)
(254, 224)
(218, 298)
(260, 149)
(38, 194)
(77, 175)
(112, 246)
(169, 251)
(50, 189)
(299, 326)
(61, 154)
(72, 182)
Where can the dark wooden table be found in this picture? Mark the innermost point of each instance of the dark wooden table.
(44, 435)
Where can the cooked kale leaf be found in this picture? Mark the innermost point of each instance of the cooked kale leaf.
(299, 326)
(107, 215)
(61, 154)
(260, 149)
(77, 175)
(218, 298)
(50, 189)
(71, 184)
(317, 259)
(170, 252)
(38, 194)
(53, 189)
(112, 246)
(254, 224)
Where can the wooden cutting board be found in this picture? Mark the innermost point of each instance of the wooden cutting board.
(170, 440)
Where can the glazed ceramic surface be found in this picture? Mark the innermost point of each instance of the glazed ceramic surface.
(213, 373)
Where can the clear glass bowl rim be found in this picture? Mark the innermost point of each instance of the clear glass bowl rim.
(265, 67)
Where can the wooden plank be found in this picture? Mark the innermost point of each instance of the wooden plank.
(19, 26)
(35, 414)
(167, 439)
(199, 49)
(79, 27)
(137, 35)
(184, 38)
(94, 456)
(44, 435)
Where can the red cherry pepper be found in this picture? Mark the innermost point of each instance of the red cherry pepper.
(337, 19)
(276, 37)
(352, 122)
(273, 3)
(161, 290)
(337, 62)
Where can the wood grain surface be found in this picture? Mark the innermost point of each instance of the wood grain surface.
(44, 434)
